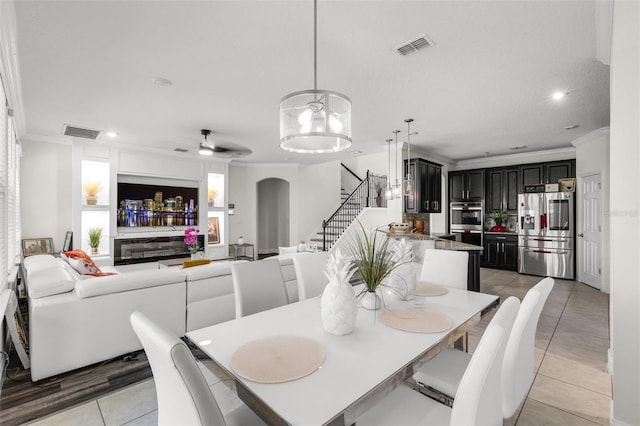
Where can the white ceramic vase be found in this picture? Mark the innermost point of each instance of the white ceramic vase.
(371, 300)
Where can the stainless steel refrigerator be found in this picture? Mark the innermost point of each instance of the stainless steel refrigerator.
(546, 231)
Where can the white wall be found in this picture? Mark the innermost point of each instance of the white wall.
(592, 156)
(45, 179)
(243, 192)
(319, 198)
(624, 214)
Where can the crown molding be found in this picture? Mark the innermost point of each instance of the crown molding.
(517, 158)
(603, 131)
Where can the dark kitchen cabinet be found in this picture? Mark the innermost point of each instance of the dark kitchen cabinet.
(466, 185)
(501, 192)
(428, 195)
(500, 251)
(541, 173)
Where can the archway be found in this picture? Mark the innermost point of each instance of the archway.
(273, 215)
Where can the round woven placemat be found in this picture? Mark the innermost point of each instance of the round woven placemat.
(277, 359)
(424, 288)
(416, 320)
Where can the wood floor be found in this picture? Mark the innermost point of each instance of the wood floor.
(22, 400)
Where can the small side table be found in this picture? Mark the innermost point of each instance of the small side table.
(239, 251)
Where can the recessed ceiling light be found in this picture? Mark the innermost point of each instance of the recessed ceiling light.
(112, 134)
(159, 81)
(559, 95)
(571, 127)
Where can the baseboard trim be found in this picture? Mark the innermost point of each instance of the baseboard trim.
(612, 420)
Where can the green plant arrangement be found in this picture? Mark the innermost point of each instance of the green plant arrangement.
(499, 217)
(94, 238)
(374, 259)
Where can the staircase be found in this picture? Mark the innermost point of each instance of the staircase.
(364, 195)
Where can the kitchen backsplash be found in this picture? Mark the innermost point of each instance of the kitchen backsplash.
(512, 223)
(411, 218)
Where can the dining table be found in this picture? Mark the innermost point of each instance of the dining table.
(345, 375)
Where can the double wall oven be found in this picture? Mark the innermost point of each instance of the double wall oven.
(466, 221)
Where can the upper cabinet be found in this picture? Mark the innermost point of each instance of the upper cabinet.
(535, 174)
(428, 196)
(466, 185)
(501, 189)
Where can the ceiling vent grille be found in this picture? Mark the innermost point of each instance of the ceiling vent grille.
(413, 46)
(80, 132)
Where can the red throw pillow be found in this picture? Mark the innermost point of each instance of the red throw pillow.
(81, 262)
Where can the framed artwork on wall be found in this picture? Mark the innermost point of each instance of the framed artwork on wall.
(68, 241)
(213, 231)
(33, 246)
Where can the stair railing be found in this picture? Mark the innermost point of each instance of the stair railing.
(360, 198)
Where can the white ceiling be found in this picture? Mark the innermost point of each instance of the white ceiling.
(484, 87)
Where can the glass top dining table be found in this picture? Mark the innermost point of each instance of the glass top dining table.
(358, 369)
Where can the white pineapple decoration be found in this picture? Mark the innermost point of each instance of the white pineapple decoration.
(338, 306)
(401, 284)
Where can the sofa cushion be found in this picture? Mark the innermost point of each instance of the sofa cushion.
(47, 282)
(96, 286)
(34, 264)
(82, 262)
(287, 250)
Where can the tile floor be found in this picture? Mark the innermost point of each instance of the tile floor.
(572, 386)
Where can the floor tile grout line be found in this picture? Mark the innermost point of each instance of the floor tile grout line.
(565, 411)
(572, 384)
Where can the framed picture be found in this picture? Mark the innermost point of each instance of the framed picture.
(213, 231)
(37, 246)
(68, 241)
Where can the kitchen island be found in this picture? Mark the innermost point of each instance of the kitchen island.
(422, 242)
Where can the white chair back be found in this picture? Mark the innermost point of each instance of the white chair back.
(310, 273)
(184, 397)
(448, 268)
(258, 286)
(478, 400)
(518, 367)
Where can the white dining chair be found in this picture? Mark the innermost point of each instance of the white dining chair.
(258, 286)
(447, 268)
(444, 372)
(184, 398)
(310, 269)
(477, 401)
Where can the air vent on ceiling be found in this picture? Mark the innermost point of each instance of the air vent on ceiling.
(413, 46)
(80, 132)
(181, 150)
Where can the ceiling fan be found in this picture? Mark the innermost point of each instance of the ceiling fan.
(209, 148)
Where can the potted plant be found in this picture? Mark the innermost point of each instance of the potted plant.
(499, 218)
(91, 189)
(191, 241)
(94, 239)
(374, 259)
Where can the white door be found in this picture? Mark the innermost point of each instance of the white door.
(589, 231)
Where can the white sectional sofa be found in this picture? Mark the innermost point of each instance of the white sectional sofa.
(76, 321)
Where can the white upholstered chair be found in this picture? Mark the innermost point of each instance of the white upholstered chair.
(477, 401)
(447, 268)
(258, 286)
(310, 275)
(444, 372)
(184, 398)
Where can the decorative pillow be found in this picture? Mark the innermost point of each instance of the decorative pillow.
(81, 262)
(287, 250)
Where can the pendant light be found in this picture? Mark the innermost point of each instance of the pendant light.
(388, 193)
(409, 183)
(315, 121)
(397, 188)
